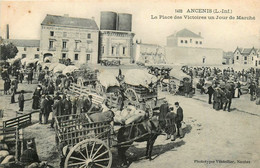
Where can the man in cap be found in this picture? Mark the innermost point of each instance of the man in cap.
(179, 119)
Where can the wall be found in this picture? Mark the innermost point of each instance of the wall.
(189, 55)
(30, 52)
(191, 42)
(85, 45)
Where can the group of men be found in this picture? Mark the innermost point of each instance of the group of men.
(171, 118)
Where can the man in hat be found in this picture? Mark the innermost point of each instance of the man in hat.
(21, 100)
(164, 109)
(179, 119)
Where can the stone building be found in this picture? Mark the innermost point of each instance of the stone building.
(29, 49)
(228, 58)
(186, 47)
(247, 56)
(185, 38)
(148, 53)
(116, 37)
(64, 37)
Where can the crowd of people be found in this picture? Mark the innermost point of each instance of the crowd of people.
(224, 85)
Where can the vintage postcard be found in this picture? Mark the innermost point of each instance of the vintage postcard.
(133, 83)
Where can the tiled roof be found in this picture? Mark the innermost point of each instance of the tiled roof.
(54, 20)
(185, 33)
(23, 43)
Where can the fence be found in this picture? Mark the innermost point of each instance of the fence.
(19, 122)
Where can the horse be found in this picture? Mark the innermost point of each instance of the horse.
(148, 130)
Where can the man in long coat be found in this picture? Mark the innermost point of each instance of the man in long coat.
(67, 105)
(164, 109)
(179, 119)
(21, 101)
(57, 109)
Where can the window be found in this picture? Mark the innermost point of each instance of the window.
(259, 63)
(181, 41)
(252, 58)
(89, 36)
(76, 45)
(64, 44)
(64, 34)
(190, 40)
(23, 55)
(88, 57)
(245, 62)
(197, 42)
(24, 48)
(123, 50)
(237, 57)
(51, 33)
(36, 56)
(38, 49)
(186, 41)
(76, 57)
(245, 58)
(200, 42)
(50, 44)
(103, 49)
(113, 50)
(63, 55)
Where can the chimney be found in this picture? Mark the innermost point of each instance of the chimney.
(7, 31)
(199, 33)
(66, 15)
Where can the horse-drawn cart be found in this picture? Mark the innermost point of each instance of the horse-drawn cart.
(141, 90)
(90, 144)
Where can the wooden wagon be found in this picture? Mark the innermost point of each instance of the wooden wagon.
(89, 143)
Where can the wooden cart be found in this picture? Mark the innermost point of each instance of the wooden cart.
(142, 98)
(89, 143)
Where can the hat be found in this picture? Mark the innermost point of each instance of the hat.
(176, 103)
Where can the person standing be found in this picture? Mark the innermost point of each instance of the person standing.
(170, 128)
(179, 119)
(49, 109)
(57, 109)
(164, 109)
(252, 89)
(36, 98)
(21, 100)
(67, 105)
(210, 93)
(229, 96)
(44, 108)
(13, 94)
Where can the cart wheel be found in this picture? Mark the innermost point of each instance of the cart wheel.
(131, 95)
(90, 153)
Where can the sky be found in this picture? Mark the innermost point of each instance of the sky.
(25, 17)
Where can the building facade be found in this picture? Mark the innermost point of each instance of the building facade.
(29, 49)
(185, 38)
(148, 53)
(186, 47)
(247, 56)
(116, 37)
(228, 58)
(64, 37)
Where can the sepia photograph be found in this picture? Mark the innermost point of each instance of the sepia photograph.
(129, 84)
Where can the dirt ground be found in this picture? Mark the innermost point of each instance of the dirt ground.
(211, 136)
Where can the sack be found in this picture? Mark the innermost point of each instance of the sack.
(135, 118)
